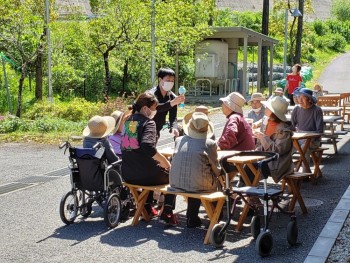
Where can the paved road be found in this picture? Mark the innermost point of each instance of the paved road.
(31, 230)
(336, 77)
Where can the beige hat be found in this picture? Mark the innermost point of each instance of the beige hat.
(202, 108)
(278, 106)
(99, 127)
(198, 126)
(235, 101)
(278, 90)
(118, 116)
(256, 96)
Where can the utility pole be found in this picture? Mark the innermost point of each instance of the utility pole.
(47, 5)
(153, 40)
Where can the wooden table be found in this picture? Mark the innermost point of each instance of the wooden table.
(297, 136)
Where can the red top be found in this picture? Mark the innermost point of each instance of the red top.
(293, 82)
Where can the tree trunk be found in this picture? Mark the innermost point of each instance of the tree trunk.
(108, 74)
(39, 77)
(20, 89)
(297, 57)
(290, 60)
(125, 75)
(264, 51)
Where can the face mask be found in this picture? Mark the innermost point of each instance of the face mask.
(149, 113)
(256, 110)
(167, 85)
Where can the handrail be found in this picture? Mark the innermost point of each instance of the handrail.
(202, 80)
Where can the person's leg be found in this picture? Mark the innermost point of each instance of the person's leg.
(291, 100)
(167, 216)
(193, 206)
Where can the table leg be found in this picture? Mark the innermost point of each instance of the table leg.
(302, 152)
(295, 189)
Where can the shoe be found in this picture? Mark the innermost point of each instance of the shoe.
(169, 219)
(152, 212)
(194, 222)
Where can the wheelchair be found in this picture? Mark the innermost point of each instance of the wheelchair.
(94, 180)
(263, 236)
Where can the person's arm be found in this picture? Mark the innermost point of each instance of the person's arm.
(294, 119)
(213, 157)
(228, 138)
(319, 120)
(163, 161)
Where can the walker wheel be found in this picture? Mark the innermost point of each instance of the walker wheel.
(255, 226)
(292, 233)
(216, 238)
(264, 244)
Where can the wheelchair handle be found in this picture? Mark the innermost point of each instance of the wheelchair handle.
(97, 146)
(65, 145)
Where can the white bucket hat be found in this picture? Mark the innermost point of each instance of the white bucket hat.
(235, 101)
(118, 116)
(198, 126)
(278, 106)
(99, 127)
(256, 96)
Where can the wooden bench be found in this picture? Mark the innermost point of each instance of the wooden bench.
(294, 182)
(316, 156)
(212, 203)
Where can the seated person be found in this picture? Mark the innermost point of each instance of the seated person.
(195, 163)
(258, 109)
(318, 90)
(116, 137)
(275, 135)
(237, 133)
(279, 92)
(308, 117)
(142, 163)
(97, 130)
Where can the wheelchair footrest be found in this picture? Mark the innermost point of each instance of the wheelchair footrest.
(255, 191)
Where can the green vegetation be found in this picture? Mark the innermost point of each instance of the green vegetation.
(97, 63)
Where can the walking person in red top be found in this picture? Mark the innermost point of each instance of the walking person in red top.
(293, 81)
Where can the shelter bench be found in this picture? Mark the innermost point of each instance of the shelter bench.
(212, 202)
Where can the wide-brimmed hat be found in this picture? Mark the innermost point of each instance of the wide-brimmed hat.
(118, 116)
(308, 93)
(256, 96)
(278, 90)
(200, 108)
(278, 106)
(198, 126)
(99, 127)
(235, 101)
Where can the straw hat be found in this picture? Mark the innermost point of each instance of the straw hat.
(235, 101)
(306, 92)
(256, 96)
(200, 108)
(278, 106)
(99, 127)
(198, 126)
(278, 90)
(118, 116)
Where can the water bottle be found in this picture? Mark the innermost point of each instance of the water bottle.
(182, 91)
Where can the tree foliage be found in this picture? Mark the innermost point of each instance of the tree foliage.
(340, 9)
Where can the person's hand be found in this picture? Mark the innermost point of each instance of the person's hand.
(175, 132)
(258, 134)
(179, 99)
(166, 164)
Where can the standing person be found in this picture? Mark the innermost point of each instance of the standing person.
(308, 117)
(168, 101)
(258, 109)
(195, 165)
(294, 80)
(275, 135)
(142, 163)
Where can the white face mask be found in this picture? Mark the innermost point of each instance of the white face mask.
(256, 110)
(167, 85)
(149, 113)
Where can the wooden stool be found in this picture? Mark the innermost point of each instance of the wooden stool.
(294, 182)
(316, 156)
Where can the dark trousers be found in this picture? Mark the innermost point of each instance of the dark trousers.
(193, 205)
(291, 101)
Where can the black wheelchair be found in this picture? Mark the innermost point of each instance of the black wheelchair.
(94, 180)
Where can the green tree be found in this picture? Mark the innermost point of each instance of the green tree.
(340, 9)
(21, 35)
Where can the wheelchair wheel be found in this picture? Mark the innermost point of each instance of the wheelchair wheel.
(69, 207)
(264, 244)
(255, 226)
(216, 238)
(292, 232)
(112, 211)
